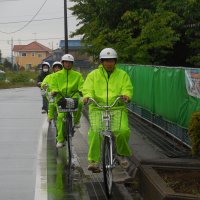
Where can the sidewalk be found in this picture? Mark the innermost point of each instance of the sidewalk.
(20, 127)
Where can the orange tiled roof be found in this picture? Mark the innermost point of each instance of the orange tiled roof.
(17, 47)
(33, 46)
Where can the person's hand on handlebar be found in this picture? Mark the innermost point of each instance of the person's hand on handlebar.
(125, 98)
(39, 84)
(86, 100)
(45, 86)
(54, 94)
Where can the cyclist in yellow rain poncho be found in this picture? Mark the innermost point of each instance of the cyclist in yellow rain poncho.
(67, 83)
(104, 85)
(47, 85)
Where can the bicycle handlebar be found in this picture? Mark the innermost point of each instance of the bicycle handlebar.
(116, 100)
(74, 92)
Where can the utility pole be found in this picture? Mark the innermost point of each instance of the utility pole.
(0, 57)
(51, 45)
(12, 53)
(66, 26)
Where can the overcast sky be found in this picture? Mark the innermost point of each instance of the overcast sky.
(13, 12)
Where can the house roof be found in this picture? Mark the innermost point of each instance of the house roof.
(33, 46)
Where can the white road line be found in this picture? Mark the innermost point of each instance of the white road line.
(41, 165)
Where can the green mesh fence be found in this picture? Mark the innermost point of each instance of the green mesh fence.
(162, 91)
(160, 96)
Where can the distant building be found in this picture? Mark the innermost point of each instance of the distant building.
(72, 44)
(54, 56)
(76, 49)
(31, 55)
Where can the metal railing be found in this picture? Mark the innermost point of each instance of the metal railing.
(179, 133)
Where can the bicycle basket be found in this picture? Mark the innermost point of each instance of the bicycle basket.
(68, 103)
(98, 120)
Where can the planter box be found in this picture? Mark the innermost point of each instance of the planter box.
(153, 187)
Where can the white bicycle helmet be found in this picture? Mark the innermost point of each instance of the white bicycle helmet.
(46, 63)
(108, 53)
(67, 57)
(57, 63)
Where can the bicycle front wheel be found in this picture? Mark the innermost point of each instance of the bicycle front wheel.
(69, 136)
(107, 165)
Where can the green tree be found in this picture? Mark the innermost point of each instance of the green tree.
(164, 32)
(99, 24)
(186, 50)
(7, 65)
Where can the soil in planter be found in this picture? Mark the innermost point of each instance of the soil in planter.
(181, 180)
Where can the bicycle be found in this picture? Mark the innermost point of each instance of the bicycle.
(51, 102)
(110, 121)
(68, 106)
(44, 98)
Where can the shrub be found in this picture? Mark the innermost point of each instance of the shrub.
(19, 79)
(2, 76)
(194, 133)
(2, 67)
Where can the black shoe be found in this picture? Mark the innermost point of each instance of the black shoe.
(44, 111)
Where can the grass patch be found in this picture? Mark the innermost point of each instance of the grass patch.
(19, 79)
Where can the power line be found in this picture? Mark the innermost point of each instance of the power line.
(36, 20)
(44, 39)
(37, 39)
(17, 22)
(28, 21)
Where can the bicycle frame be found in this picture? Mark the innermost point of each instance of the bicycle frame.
(108, 133)
(68, 129)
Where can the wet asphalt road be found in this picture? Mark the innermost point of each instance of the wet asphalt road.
(77, 183)
(20, 126)
(63, 181)
(26, 171)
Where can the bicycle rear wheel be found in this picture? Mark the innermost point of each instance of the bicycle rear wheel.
(69, 136)
(107, 165)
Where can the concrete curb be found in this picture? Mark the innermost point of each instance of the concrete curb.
(41, 165)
